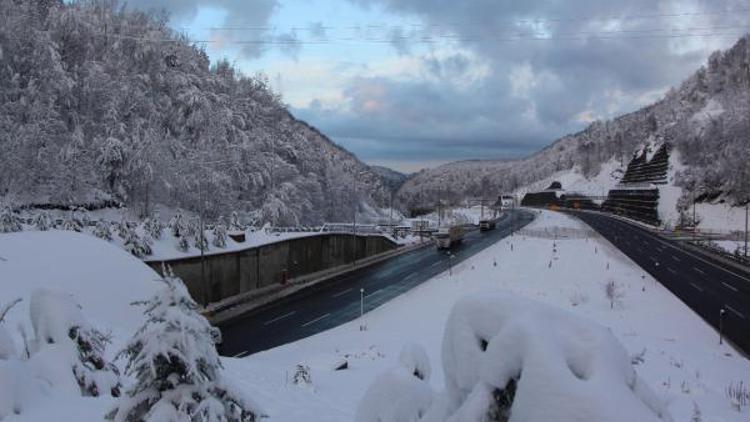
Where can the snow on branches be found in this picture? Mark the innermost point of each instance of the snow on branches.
(176, 368)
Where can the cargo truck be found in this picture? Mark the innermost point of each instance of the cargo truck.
(487, 224)
(447, 237)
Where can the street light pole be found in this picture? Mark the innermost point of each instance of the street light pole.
(721, 325)
(746, 215)
(361, 309)
(202, 233)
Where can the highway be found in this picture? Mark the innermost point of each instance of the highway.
(704, 284)
(315, 310)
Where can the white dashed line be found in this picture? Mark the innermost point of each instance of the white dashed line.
(699, 270)
(671, 270)
(729, 286)
(271, 321)
(343, 292)
(316, 320)
(374, 293)
(696, 287)
(736, 312)
(241, 354)
(675, 258)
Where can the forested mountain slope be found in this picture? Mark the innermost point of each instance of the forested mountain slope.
(98, 105)
(706, 119)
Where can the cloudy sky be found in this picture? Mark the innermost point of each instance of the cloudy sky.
(415, 83)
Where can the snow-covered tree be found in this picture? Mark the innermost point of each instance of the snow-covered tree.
(177, 371)
(42, 221)
(177, 225)
(102, 230)
(234, 222)
(220, 236)
(139, 246)
(9, 221)
(183, 244)
(7, 346)
(153, 226)
(74, 221)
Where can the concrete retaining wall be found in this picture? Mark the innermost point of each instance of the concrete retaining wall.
(236, 272)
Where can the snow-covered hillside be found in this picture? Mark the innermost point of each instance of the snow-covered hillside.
(101, 106)
(706, 119)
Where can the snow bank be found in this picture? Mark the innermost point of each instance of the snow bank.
(562, 367)
(505, 356)
(102, 278)
(400, 394)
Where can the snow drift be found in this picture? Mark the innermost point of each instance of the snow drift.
(509, 358)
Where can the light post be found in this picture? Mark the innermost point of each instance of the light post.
(721, 325)
(747, 204)
(361, 309)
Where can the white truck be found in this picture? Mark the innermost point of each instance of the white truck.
(487, 224)
(446, 237)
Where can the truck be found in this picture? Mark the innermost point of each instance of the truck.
(487, 224)
(447, 237)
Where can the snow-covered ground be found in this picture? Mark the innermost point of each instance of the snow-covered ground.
(676, 353)
(679, 355)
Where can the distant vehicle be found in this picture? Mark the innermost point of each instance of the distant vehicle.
(447, 237)
(487, 224)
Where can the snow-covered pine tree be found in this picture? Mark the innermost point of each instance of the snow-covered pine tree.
(177, 225)
(199, 236)
(135, 244)
(9, 221)
(91, 344)
(234, 223)
(220, 235)
(102, 230)
(176, 367)
(182, 244)
(42, 221)
(74, 221)
(153, 226)
(123, 229)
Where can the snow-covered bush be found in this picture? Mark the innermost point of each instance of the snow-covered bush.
(74, 221)
(176, 367)
(302, 375)
(9, 221)
(199, 237)
(506, 358)
(137, 245)
(153, 226)
(234, 222)
(178, 225)
(102, 230)
(400, 394)
(42, 221)
(220, 236)
(182, 244)
(614, 292)
(60, 326)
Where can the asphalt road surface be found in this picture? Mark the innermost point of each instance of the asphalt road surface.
(704, 284)
(310, 312)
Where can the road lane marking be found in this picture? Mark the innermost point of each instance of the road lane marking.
(374, 293)
(435, 264)
(676, 259)
(343, 292)
(271, 321)
(729, 286)
(695, 286)
(671, 270)
(736, 312)
(316, 320)
(699, 270)
(240, 354)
